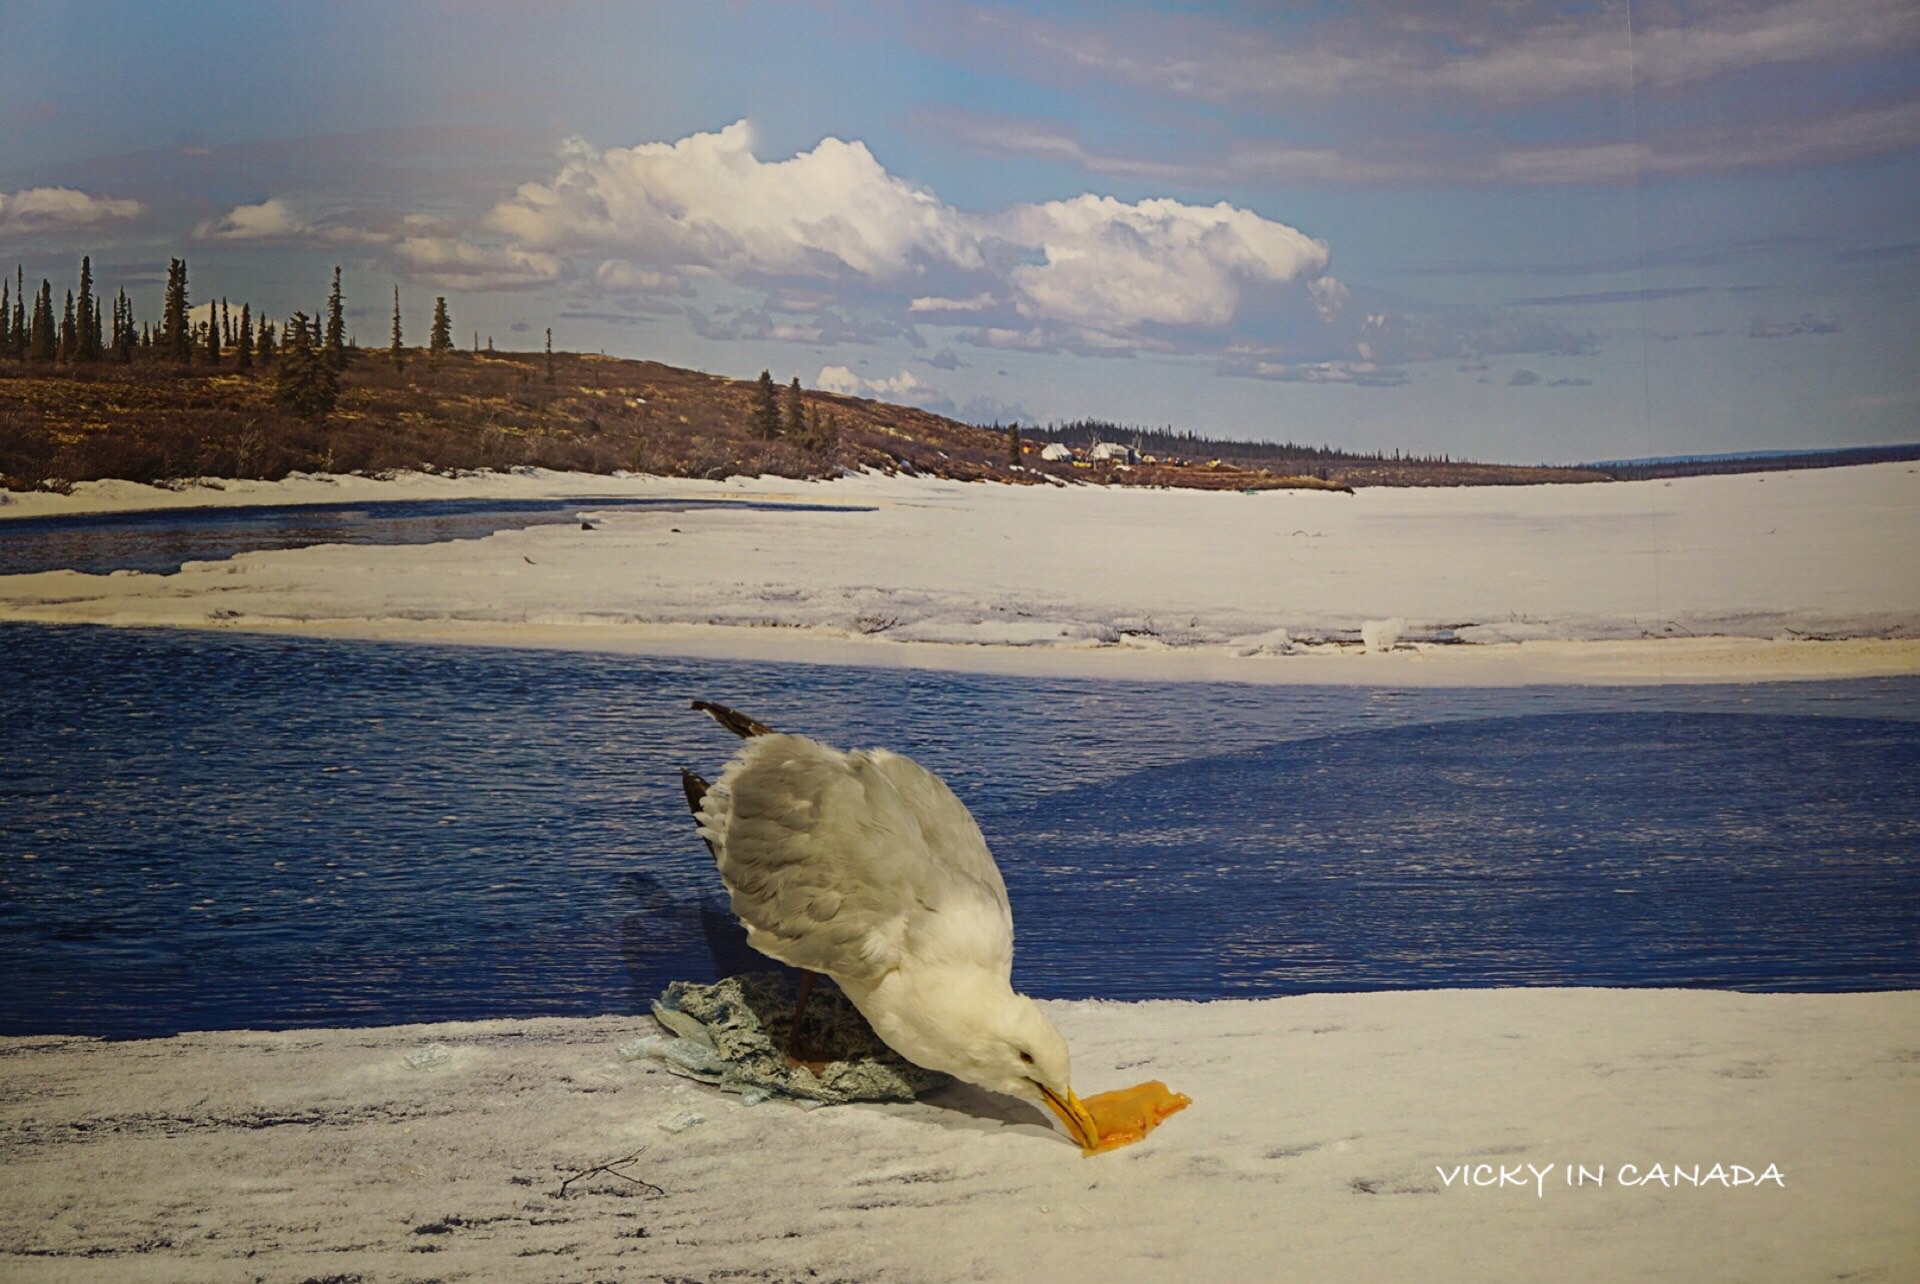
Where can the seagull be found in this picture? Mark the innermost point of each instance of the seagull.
(863, 866)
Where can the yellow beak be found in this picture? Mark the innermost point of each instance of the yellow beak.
(1076, 1117)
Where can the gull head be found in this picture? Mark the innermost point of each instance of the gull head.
(1000, 1040)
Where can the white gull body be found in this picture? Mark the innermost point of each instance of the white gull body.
(864, 866)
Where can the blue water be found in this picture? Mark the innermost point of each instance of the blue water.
(216, 831)
(159, 541)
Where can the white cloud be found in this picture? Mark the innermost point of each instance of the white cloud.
(1108, 265)
(46, 209)
(1363, 374)
(1092, 269)
(271, 219)
(972, 303)
(1330, 298)
(462, 265)
(707, 201)
(901, 387)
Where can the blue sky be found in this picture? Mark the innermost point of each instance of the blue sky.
(1510, 231)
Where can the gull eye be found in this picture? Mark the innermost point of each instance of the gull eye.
(1026, 1058)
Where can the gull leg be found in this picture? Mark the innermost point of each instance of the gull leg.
(792, 1050)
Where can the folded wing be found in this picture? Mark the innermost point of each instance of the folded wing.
(845, 863)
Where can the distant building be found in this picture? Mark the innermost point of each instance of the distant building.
(1057, 451)
(1113, 452)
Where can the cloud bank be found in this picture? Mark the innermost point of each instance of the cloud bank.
(36, 210)
(1092, 270)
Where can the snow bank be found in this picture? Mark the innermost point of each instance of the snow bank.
(1319, 1146)
(1173, 577)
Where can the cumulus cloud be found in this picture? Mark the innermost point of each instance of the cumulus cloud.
(49, 209)
(1107, 265)
(271, 219)
(463, 265)
(708, 201)
(901, 387)
(1087, 273)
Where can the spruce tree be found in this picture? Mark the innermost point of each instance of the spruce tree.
(1013, 444)
(440, 339)
(396, 351)
(307, 383)
(243, 341)
(19, 313)
(176, 335)
(45, 328)
(6, 317)
(226, 325)
(336, 326)
(795, 419)
(87, 316)
(766, 407)
(549, 354)
(213, 336)
(124, 337)
(68, 333)
(263, 349)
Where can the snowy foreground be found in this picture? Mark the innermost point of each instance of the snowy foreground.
(1752, 577)
(1318, 1147)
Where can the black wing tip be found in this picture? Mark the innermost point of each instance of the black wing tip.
(695, 787)
(733, 720)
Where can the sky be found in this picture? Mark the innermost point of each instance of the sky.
(1508, 231)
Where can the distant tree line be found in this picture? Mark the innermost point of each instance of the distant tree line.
(1287, 456)
(307, 354)
(1773, 461)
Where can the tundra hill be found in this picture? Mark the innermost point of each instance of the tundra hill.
(156, 421)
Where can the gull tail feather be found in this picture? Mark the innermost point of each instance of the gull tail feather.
(733, 720)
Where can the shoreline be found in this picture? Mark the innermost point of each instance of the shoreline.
(1322, 1131)
(1669, 661)
(1739, 578)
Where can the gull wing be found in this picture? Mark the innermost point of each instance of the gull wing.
(850, 863)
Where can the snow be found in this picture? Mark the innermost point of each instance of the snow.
(1380, 636)
(1578, 583)
(1320, 1130)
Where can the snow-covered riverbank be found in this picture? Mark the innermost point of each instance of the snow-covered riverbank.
(1748, 577)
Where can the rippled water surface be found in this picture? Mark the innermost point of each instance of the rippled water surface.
(161, 540)
(215, 831)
